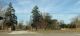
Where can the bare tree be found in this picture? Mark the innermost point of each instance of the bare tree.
(76, 21)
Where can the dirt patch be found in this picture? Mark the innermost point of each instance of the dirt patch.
(22, 32)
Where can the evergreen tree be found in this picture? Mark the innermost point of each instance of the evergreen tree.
(10, 17)
(37, 18)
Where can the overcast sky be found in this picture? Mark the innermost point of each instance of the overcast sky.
(58, 9)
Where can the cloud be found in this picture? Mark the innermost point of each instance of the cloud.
(54, 7)
(24, 7)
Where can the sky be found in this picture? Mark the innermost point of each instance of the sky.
(58, 9)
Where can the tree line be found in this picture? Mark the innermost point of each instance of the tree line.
(38, 21)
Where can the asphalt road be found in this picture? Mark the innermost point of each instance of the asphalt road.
(42, 34)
